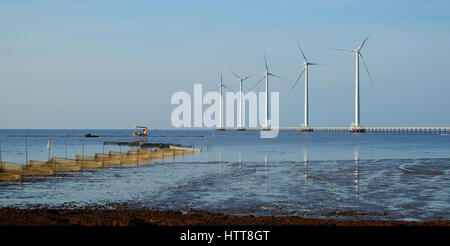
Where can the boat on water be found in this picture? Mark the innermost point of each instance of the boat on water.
(140, 131)
(184, 148)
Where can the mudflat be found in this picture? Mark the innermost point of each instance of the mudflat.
(151, 217)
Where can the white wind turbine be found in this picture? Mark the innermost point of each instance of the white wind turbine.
(266, 77)
(305, 70)
(356, 125)
(220, 86)
(240, 125)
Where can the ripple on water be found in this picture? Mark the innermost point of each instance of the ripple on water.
(281, 184)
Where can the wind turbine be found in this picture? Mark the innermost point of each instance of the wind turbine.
(266, 77)
(221, 84)
(356, 125)
(305, 70)
(240, 125)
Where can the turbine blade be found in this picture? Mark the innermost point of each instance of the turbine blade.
(257, 83)
(274, 75)
(246, 78)
(362, 44)
(237, 76)
(367, 70)
(371, 31)
(221, 76)
(265, 62)
(340, 49)
(224, 86)
(300, 48)
(376, 26)
(316, 64)
(298, 79)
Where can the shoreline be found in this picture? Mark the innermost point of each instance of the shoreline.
(150, 217)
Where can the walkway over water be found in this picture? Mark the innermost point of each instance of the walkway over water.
(387, 129)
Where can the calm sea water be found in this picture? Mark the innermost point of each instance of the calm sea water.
(317, 175)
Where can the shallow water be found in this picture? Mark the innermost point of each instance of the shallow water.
(318, 175)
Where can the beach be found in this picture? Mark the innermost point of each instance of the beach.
(150, 217)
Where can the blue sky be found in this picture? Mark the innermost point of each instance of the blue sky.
(113, 64)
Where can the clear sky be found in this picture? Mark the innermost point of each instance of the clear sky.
(114, 64)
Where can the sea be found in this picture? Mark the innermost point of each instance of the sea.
(337, 175)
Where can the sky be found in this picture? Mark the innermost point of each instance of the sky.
(115, 64)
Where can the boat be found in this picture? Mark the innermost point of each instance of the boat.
(184, 149)
(140, 134)
(140, 131)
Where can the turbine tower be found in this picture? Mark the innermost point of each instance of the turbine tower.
(306, 63)
(356, 125)
(240, 126)
(266, 77)
(220, 86)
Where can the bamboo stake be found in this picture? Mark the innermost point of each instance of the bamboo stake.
(82, 148)
(49, 146)
(65, 146)
(137, 159)
(120, 150)
(26, 149)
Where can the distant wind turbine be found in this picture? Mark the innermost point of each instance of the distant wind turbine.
(240, 125)
(220, 86)
(266, 77)
(357, 51)
(305, 70)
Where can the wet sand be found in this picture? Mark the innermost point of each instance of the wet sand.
(150, 217)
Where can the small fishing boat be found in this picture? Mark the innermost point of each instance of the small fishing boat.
(140, 131)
